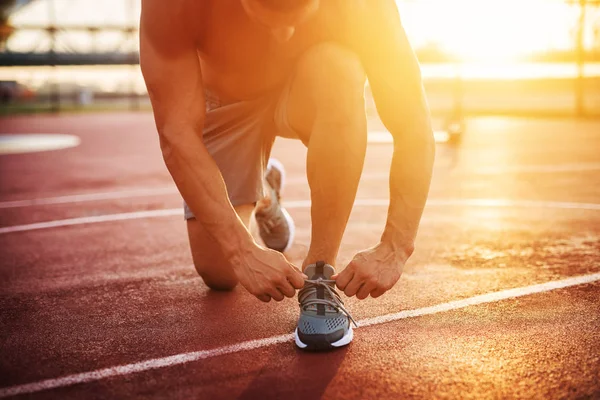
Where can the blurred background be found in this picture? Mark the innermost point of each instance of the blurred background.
(479, 57)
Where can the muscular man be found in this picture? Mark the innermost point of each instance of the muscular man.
(225, 77)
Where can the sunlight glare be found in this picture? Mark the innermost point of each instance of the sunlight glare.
(484, 30)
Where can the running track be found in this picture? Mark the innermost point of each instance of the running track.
(501, 299)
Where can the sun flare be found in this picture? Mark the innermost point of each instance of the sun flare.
(485, 30)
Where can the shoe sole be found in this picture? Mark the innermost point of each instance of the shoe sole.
(292, 228)
(345, 340)
(274, 163)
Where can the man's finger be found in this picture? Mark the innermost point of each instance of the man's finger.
(287, 289)
(343, 278)
(353, 286)
(296, 278)
(275, 294)
(304, 276)
(377, 292)
(264, 298)
(364, 291)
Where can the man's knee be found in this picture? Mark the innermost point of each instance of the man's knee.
(209, 263)
(337, 73)
(220, 283)
(215, 277)
(336, 64)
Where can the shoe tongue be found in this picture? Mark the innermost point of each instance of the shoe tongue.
(319, 270)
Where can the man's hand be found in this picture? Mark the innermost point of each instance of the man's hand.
(373, 271)
(267, 274)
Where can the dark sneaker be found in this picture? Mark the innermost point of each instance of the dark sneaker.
(275, 225)
(324, 322)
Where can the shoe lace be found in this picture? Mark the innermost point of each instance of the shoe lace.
(308, 296)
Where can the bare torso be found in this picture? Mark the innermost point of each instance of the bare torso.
(240, 59)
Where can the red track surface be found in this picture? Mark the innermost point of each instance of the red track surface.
(92, 296)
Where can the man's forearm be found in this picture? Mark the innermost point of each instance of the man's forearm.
(200, 183)
(410, 177)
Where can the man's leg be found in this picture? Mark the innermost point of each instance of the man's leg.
(210, 263)
(326, 108)
(234, 136)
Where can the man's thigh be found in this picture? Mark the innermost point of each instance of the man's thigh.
(328, 78)
(239, 136)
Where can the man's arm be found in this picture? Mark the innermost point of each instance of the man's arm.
(395, 78)
(171, 69)
(377, 35)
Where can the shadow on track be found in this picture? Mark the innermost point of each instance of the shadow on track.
(307, 376)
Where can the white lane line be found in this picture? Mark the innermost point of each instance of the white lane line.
(540, 169)
(184, 358)
(92, 220)
(484, 298)
(299, 180)
(506, 203)
(36, 142)
(78, 198)
(495, 203)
